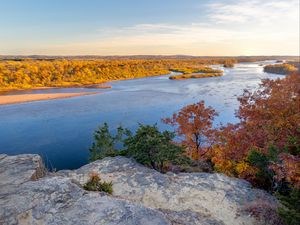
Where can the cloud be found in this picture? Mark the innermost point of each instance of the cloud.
(249, 11)
(241, 27)
(194, 39)
(158, 39)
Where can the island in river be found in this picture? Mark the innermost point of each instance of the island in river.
(284, 68)
(194, 75)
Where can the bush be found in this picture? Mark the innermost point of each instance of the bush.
(95, 184)
(105, 143)
(148, 146)
(153, 148)
(290, 209)
(261, 161)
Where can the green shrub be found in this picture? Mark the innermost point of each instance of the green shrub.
(288, 195)
(104, 144)
(148, 146)
(153, 148)
(95, 184)
(106, 187)
(290, 209)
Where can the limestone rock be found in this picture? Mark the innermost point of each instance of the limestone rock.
(30, 195)
(214, 196)
(56, 200)
(15, 170)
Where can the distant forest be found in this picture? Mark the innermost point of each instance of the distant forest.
(45, 71)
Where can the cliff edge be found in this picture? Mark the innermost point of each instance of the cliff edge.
(31, 195)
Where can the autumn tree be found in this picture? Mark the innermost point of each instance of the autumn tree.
(269, 129)
(193, 124)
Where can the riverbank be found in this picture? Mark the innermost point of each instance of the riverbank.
(21, 98)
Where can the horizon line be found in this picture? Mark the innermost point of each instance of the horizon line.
(140, 55)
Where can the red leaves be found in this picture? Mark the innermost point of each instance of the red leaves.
(269, 116)
(194, 125)
(288, 169)
(273, 110)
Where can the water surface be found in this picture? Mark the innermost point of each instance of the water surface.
(61, 130)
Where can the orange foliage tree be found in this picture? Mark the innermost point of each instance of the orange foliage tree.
(194, 126)
(267, 139)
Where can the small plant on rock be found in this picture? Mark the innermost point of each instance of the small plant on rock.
(95, 184)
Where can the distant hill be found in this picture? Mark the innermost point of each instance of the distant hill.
(242, 58)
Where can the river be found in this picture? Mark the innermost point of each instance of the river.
(61, 130)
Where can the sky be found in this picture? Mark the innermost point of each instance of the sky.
(149, 27)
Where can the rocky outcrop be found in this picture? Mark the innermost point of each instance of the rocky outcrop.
(15, 170)
(140, 195)
(24, 199)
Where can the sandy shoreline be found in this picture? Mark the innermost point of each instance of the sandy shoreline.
(14, 99)
(92, 86)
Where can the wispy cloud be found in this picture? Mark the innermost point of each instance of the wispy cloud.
(265, 12)
(194, 38)
(240, 27)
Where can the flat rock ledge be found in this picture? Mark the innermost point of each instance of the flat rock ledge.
(141, 196)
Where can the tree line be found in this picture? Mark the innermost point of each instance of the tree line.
(24, 73)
